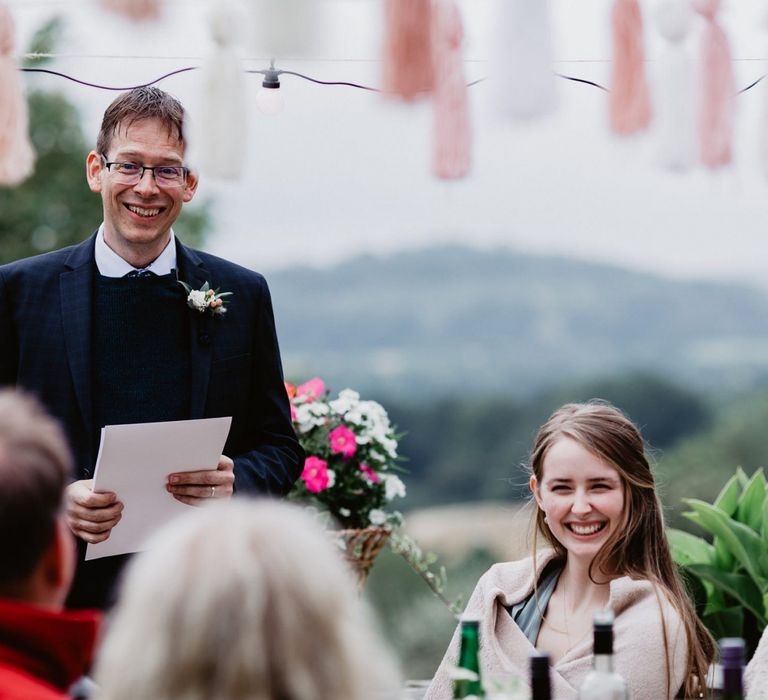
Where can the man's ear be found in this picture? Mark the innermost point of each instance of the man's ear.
(58, 564)
(191, 187)
(94, 167)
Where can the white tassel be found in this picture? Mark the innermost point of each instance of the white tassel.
(522, 80)
(675, 87)
(285, 28)
(220, 125)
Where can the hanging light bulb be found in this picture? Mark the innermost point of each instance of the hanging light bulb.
(269, 100)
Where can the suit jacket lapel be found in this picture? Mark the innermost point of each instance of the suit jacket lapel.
(76, 299)
(193, 272)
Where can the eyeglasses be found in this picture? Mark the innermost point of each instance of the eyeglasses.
(132, 173)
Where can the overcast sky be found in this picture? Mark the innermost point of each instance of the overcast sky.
(341, 172)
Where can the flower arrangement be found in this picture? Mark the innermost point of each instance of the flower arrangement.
(351, 456)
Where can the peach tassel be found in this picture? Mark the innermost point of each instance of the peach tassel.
(17, 158)
(718, 90)
(136, 10)
(407, 60)
(452, 134)
(629, 100)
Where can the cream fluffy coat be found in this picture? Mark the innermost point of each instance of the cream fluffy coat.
(639, 650)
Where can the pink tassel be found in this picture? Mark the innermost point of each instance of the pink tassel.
(136, 10)
(452, 135)
(407, 61)
(17, 158)
(718, 91)
(629, 101)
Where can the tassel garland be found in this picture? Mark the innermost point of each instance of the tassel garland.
(452, 134)
(136, 10)
(629, 100)
(674, 104)
(407, 58)
(17, 158)
(718, 90)
(523, 84)
(220, 127)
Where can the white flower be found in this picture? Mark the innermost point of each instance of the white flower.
(378, 516)
(345, 512)
(331, 478)
(393, 486)
(197, 299)
(347, 400)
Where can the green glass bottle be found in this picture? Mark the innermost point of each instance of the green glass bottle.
(468, 683)
(732, 664)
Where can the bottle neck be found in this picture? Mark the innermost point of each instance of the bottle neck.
(603, 663)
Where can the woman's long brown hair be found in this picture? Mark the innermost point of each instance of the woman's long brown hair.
(639, 549)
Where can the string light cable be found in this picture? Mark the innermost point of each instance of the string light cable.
(272, 75)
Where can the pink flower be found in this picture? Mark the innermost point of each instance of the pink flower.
(343, 441)
(315, 474)
(369, 474)
(293, 413)
(311, 390)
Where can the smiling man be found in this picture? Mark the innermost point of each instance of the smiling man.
(103, 333)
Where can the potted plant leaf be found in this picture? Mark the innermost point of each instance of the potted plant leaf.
(727, 571)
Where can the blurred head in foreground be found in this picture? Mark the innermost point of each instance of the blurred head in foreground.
(37, 551)
(245, 600)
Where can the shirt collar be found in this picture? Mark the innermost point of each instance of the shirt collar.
(110, 264)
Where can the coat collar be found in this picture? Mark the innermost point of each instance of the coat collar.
(52, 646)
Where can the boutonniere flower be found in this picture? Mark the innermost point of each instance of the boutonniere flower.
(206, 299)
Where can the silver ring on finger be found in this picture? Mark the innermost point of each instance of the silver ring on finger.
(213, 491)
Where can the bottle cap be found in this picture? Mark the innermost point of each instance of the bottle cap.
(469, 620)
(539, 663)
(731, 651)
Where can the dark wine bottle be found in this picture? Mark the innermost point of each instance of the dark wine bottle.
(541, 688)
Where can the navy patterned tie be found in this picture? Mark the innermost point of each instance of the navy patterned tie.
(140, 273)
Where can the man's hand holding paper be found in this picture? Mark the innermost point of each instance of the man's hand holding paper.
(91, 515)
(195, 488)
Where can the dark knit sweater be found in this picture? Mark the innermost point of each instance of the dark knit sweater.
(141, 356)
(141, 373)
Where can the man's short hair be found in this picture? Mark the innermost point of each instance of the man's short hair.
(136, 105)
(35, 465)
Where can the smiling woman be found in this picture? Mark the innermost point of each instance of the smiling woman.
(598, 510)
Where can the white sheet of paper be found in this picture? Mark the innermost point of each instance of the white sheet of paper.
(135, 460)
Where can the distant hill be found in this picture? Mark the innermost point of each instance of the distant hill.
(450, 319)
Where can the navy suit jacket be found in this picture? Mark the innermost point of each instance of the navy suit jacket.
(46, 345)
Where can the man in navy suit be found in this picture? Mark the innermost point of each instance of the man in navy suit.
(104, 334)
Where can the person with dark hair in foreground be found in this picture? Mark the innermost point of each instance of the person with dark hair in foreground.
(43, 650)
(104, 333)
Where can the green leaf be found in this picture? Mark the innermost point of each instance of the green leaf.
(728, 498)
(689, 549)
(728, 622)
(750, 508)
(740, 540)
(739, 586)
(724, 558)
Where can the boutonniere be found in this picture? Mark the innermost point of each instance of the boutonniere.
(206, 299)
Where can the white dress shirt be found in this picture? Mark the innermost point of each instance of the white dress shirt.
(110, 264)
